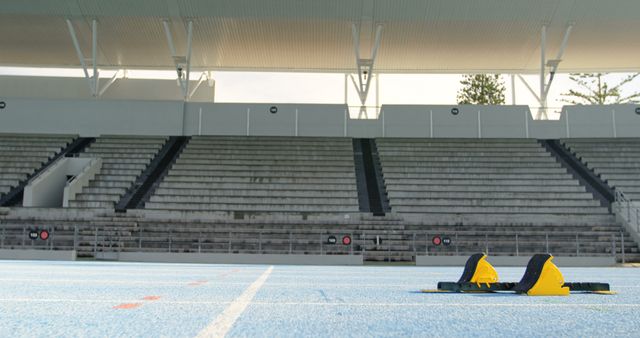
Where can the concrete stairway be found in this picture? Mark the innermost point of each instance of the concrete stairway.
(617, 161)
(483, 182)
(240, 176)
(22, 155)
(123, 160)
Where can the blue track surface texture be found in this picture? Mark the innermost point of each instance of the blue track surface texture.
(98, 299)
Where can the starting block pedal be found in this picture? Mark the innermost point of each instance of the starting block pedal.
(541, 278)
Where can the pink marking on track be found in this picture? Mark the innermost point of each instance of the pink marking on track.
(198, 283)
(151, 298)
(127, 306)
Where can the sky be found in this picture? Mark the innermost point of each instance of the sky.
(330, 87)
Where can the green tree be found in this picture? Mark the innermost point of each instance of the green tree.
(481, 89)
(592, 88)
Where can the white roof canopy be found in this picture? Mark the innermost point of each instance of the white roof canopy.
(419, 36)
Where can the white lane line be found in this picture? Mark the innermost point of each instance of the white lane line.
(224, 322)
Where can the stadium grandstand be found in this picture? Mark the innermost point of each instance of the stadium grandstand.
(103, 167)
(112, 175)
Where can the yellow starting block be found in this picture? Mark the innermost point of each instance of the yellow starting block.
(541, 278)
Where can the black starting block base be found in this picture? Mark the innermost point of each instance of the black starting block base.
(454, 287)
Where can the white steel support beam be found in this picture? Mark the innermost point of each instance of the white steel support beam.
(93, 79)
(364, 66)
(118, 74)
(556, 62)
(94, 56)
(204, 76)
(553, 64)
(543, 75)
(182, 62)
(533, 92)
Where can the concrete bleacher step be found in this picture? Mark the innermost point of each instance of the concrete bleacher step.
(329, 164)
(260, 184)
(207, 156)
(116, 156)
(13, 176)
(481, 188)
(85, 196)
(479, 164)
(412, 167)
(308, 167)
(486, 182)
(519, 161)
(528, 195)
(271, 151)
(478, 218)
(187, 206)
(24, 163)
(504, 202)
(255, 192)
(125, 166)
(263, 201)
(470, 176)
(264, 175)
(120, 172)
(624, 183)
(114, 177)
(91, 204)
(542, 210)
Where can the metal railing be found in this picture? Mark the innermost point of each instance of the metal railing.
(379, 244)
(456, 243)
(626, 209)
(247, 241)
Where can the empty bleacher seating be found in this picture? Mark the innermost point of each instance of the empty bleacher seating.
(250, 175)
(505, 181)
(22, 155)
(123, 160)
(617, 161)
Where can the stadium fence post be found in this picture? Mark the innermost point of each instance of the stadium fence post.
(75, 237)
(426, 244)
(638, 220)
(388, 247)
(199, 242)
(51, 237)
(170, 239)
(140, 237)
(364, 242)
(351, 244)
(613, 245)
(260, 242)
(24, 234)
(517, 246)
(95, 242)
(456, 243)
(486, 244)
(577, 246)
(290, 242)
(414, 243)
(320, 243)
(2, 238)
(622, 246)
(546, 240)
(229, 247)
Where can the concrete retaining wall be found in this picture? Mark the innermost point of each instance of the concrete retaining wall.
(131, 117)
(170, 257)
(38, 255)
